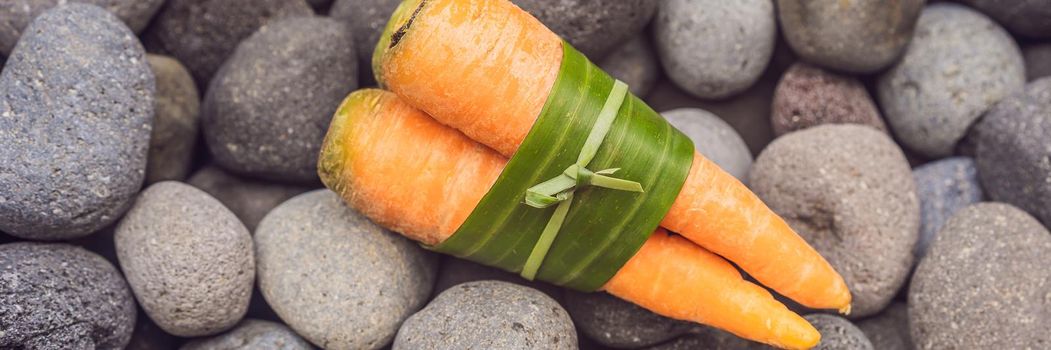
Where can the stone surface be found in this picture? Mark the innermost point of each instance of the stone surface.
(268, 108)
(1025, 17)
(252, 334)
(174, 134)
(848, 190)
(1014, 150)
(203, 33)
(1037, 61)
(58, 296)
(635, 63)
(249, 199)
(890, 329)
(860, 36)
(187, 258)
(616, 323)
(76, 106)
(943, 187)
(808, 96)
(366, 18)
(958, 64)
(15, 15)
(455, 271)
(838, 333)
(595, 27)
(709, 338)
(148, 336)
(984, 283)
(713, 138)
(489, 315)
(335, 277)
(715, 49)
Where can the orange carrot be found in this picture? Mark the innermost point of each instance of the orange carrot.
(409, 173)
(486, 68)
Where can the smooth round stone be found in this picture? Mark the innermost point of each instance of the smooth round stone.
(958, 64)
(1014, 150)
(174, 134)
(58, 296)
(890, 329)
(595, 27)
(984, 283)
(489, 315)
(366, 19)
(838, 334)
(1028, 17)
(15, 15)
(635, 63)
(808, 96)
(619, 324)
(455, 271)
(203, 33)
(1037, 61)
(713, 138)
(249, 199)
(76, 106)
(252, 334)
(187, 258)
(267, 110)
(335, 277)
(715, 49)
(943, 186)
(848, 190)
(854, 36)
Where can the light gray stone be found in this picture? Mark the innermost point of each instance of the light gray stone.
(713, 138)
(252, 334)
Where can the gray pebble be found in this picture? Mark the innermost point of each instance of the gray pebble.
(252, 334)
(958, 64)
(187, 258)
(709, 338)
(1014, 150)
(714, 139)
(838, 333)
(890, 329)
(76, 106)
(366, 18)
(489, 315)
(984, 283)
(335, 277)
(807, 96)
(712, 48)
(616, 323)
(859, 36)
(595, 27)
(249, 199)
(1026, 17)
(58, 296)
(268, 108)
(174, 121)
(15, 15)
(1037, 61)
(943, 186)
(635, 63)
(848, 190)
(456, 271)
(203, 33)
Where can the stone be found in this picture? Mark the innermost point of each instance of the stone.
(336, 278)
(249, 199)
(1014, 150)
(943, 186)
(715, 49)
(808, 96)
(455, 271)
(58, 296)
(635, 63)
(252, 334)
(148, 336)
(267, 110)
(595, 27)
(838, 334)
(187, 258)
(174, 134)
(1037, 61)
(984, 283)
(848, 191)
(890, 329)
(15, 15)
(619, 324)
(958, 64)
(1028, 17)
(709, 338)
(489, 315)
(203, 33)
(76, 107)
(366, 19)
(713, 138)
(854, 36)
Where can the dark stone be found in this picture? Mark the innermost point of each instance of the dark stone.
(617, 323)
(595, 27)
(838, 333)
(635, 63)
(890, 329)
(249, 199)
(809, 96)
(366, 19)
(174, 121)
(1037, 61)
(1026, 17)
(943, 186)
(15, 15)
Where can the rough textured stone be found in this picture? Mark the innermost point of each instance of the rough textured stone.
(58, 296)
(268, 108)
(890, 329)
(958, 64)
(714, 49)
(635, 63)
(943, 187)
(1037, 61)
(15, 15)
(859, 36)
(252, 334)
(76, 106)
(1027, 17)
(174, 121)
(838, 333)
(984, 284)
(187, 258)
(595, 27)
(848, 190)
(489, 315)
(203, 33)
(455, 271)
(366, 18)
(617, 323)
(808, 96)
(335, 277)
(713, 138)
(249, 199)
(709, 338)
(1014, 150)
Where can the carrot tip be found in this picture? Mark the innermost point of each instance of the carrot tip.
(845, 310)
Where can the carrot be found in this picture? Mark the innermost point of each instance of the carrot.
(409, 173)
(486, 68)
